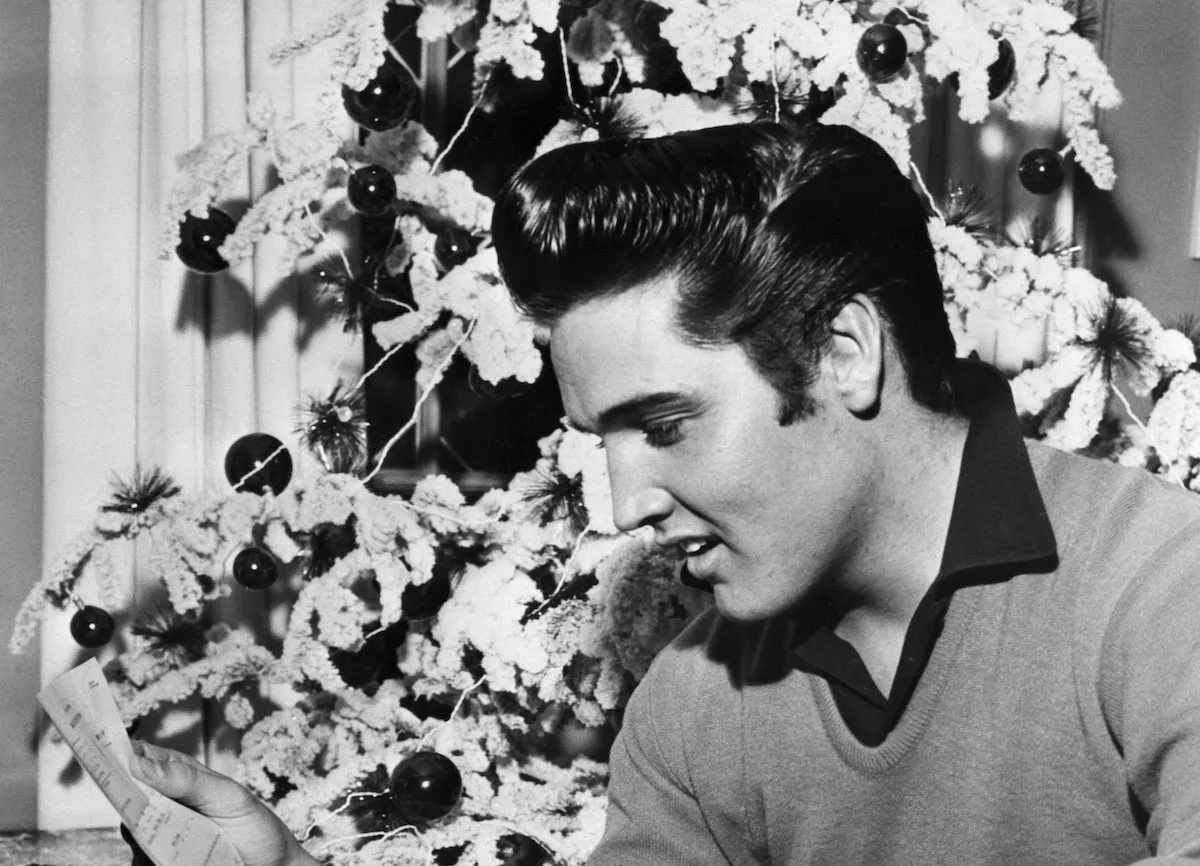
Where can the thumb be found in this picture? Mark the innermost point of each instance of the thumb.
(181, 777)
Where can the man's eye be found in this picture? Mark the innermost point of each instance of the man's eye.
(660, 434)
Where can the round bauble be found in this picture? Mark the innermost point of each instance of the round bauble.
(92, 627)
(262, 460)
(200, 238)
(254, 568)
(1000, 72)
(371, 190)
(1041, 171)
(387, 100)
(517, 849)
(453, 246)
(882, 52)
(425, 786)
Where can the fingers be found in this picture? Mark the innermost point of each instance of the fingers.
(181, 777)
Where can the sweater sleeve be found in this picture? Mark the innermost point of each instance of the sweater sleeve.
(1150, 692)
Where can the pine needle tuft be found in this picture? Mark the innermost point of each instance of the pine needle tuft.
(173, 634)
(784, 99)
(555, 496)
(967, 208)
(611, 118)
(349, 296)
(1041, 237)
(1118, 342)
(334, 428)
(141, 491)
(1087, 18)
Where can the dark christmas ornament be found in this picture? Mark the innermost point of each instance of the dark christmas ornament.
(387, 100)
(261, 460)
(1041, 171)
(1000, 72)
(334, 428)
(201, 237)
(371, 190)
(882, 52)
(254, 568)
(92, 627)
(517, 849)
(141, 491)
(425, 786)
(454, 245)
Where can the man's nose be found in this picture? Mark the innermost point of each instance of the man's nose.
(637, 500)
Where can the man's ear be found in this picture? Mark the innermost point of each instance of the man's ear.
(854, 362)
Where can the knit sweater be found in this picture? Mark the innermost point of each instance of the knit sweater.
(1057, 721)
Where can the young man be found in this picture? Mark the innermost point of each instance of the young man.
(931, 641)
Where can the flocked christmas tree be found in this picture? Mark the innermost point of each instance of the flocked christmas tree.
(435, 643)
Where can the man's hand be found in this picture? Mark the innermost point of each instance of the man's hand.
(257, 833)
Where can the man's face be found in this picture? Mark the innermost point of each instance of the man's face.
(694, 448)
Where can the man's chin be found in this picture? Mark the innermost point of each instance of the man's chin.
(738, 609)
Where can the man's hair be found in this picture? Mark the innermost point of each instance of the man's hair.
(769, 231)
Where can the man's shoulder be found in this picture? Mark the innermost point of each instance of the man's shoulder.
(1098, 501)
(1128, 541)
(695, 649)
(713, 654)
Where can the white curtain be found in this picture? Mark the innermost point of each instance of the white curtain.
(145, 362)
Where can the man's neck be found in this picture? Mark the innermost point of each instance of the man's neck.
(901, 548)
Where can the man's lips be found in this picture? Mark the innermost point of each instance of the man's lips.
(697, 547)
(699, 553)
(700, 556)
(688, 579)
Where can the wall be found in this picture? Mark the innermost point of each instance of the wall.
(1138, 236)
(24, 26)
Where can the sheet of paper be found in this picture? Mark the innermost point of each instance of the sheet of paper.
(82, 707)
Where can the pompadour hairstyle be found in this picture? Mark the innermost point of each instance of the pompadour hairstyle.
(769, 230)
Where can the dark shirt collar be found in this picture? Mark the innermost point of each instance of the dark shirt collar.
(999, 521)
(998, 529)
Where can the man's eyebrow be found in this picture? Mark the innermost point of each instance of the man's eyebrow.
(626, 409)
